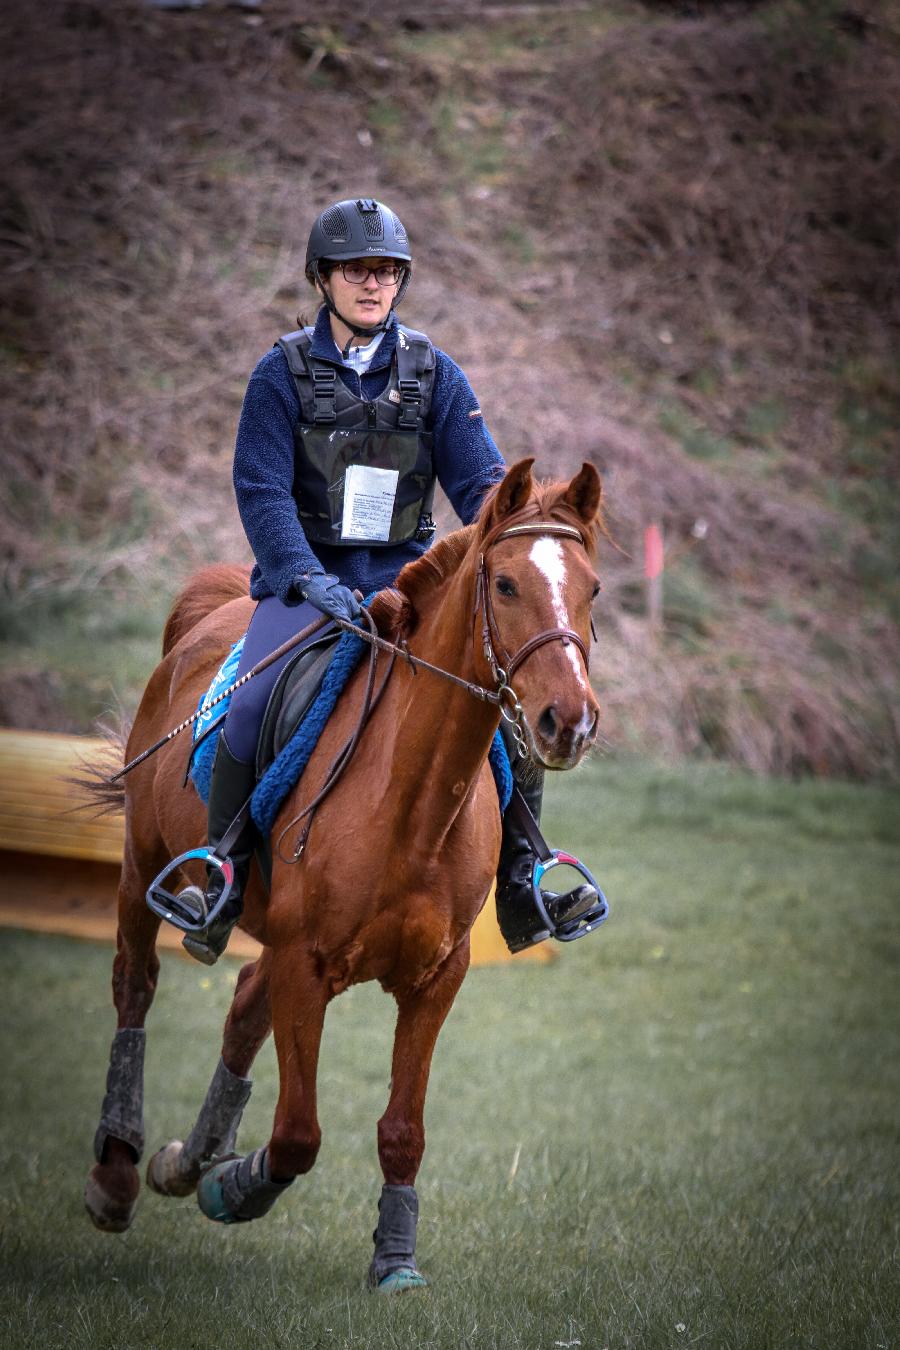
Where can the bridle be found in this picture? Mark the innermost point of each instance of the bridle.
(504, 667)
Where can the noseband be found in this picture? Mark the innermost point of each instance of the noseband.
(503, 670)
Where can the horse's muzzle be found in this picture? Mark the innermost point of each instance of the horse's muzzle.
(561, 739)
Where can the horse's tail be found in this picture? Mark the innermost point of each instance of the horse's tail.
(207, 590)
(93, 782)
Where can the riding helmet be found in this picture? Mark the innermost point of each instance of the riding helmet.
(360, 228)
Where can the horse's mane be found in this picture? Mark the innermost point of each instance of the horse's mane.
(396, 609)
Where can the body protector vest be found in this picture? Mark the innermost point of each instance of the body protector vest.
(363, 468)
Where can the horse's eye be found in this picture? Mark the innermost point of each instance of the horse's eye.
(596, 591)
(506, 587)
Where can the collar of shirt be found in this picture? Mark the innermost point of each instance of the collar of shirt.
(360, 358)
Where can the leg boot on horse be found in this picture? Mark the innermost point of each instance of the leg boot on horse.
(113, 1185)
(232, 783)
(519, 921)
(238, 1189)
(177, 1167)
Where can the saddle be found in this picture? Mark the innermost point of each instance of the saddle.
(292, 696)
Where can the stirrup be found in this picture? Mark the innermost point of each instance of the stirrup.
(187, 909)
(567, 930)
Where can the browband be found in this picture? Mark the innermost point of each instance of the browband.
(541, 527)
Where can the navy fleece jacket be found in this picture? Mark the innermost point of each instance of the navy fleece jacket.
(466, 460)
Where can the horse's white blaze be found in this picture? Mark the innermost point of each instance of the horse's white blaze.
(548, 557)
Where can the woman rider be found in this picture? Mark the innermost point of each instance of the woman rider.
(323, 521)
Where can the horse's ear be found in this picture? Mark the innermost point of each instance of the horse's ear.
(584, 492)
(515, 489)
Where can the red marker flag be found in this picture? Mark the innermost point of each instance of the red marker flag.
(653, 552)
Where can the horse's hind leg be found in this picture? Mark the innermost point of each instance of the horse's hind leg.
(176, 1168)
(113, 1184)
(401, 1130)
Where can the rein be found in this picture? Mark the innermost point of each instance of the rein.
(503, 697)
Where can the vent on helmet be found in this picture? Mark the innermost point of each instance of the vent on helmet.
(399, 232)
(335, 225)
(372, 224)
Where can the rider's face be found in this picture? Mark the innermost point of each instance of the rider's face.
(364, 303)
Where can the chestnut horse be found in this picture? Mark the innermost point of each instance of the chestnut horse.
(418, 792)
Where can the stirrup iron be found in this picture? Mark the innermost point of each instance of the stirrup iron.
(567, 930)
(187, 910)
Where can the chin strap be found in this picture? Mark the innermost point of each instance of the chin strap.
(356, 329)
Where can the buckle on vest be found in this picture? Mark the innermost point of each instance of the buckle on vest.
(410, 398)
(323, 393)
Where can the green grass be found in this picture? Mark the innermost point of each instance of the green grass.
(683, 1133)
(98, 650)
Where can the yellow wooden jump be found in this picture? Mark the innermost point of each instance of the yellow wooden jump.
(39, 807)
(39, 815)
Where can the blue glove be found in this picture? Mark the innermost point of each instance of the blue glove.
(328, 595)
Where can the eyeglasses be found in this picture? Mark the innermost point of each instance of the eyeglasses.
(387, 274)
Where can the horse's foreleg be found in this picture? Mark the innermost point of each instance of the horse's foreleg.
(176, 1168)
(401, 1131)
(246, 1188)
(113, 1184)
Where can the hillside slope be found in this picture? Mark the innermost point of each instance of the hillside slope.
(660, 236)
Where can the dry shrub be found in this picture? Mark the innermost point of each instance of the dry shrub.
(732, 179)
(149, 223)
(719, 177)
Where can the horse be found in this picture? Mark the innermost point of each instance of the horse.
(418, 792)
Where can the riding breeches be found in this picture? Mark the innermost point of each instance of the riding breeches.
(272, 624)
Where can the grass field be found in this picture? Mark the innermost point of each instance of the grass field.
(685, 1132)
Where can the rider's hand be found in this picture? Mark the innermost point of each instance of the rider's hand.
(328, 595)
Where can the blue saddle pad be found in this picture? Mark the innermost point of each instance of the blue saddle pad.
(202, 757)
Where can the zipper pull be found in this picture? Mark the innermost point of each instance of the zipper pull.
(371, 413)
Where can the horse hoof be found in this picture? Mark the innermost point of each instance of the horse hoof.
(163, 1171)
(211, 1197)
(401, 1281)
(109, 1213)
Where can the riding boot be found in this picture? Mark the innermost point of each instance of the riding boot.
(518, 916)
(232, 783)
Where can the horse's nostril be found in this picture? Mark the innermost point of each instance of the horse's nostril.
(548, 724)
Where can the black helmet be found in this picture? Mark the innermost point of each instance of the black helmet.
(362, 228)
